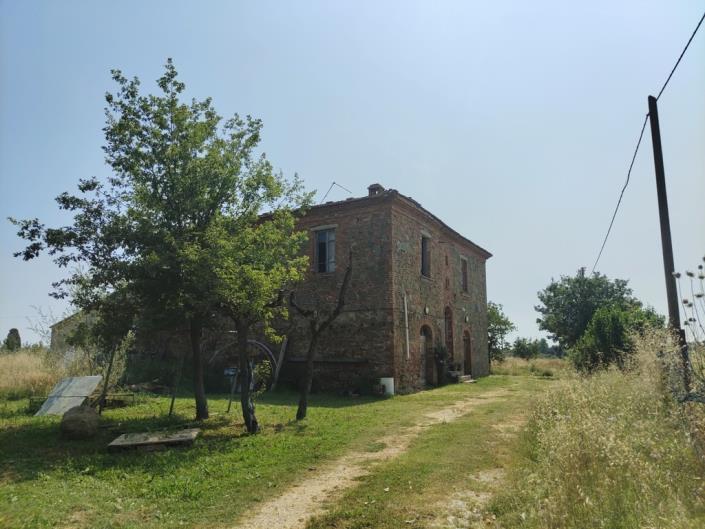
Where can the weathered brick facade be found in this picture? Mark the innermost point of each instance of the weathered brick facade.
(394, 315)
(375, 336)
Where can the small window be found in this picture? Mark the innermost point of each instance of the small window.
(464, 274)
(325, 250)
(425, 256)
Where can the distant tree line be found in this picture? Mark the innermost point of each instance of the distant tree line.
(590, 318)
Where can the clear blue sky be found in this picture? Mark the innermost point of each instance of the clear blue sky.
(513, 121)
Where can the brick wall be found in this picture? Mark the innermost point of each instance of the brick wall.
(429, 297)
(369, 339)
(355, 349)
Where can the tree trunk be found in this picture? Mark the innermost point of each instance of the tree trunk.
(245, 374)
(196, 331)
(308, 378)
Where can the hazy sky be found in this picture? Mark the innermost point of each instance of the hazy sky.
(512, 121)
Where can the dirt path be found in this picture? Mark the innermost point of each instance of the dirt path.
(465, 509)
(296, 506)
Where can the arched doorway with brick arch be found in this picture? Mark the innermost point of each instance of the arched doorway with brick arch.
(467, 351)
(428, 362)
(448, 317)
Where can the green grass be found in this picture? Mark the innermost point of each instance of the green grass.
(49, 482)
(444, 467)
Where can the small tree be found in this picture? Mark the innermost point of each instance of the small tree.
(526, 349)
(253, 263)
(13, 340)
(498, 327)
(317, 325)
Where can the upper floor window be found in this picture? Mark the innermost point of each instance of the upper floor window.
(425, 256)
(325, 250)
(464, 274)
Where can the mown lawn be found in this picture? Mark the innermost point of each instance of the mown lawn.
(49, 482)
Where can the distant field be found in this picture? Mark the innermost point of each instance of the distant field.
(545, 367)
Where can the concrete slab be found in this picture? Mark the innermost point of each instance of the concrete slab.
(154, 440)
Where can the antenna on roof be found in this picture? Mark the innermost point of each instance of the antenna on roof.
(331, 187)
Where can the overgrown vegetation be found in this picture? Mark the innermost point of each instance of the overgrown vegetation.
(27, 372)
(613, 450)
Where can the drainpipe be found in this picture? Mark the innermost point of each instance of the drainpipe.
(406, 325)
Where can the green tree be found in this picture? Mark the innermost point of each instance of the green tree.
(525, 348)
(568, 305)
(498, 327)
(12, 341)
(177, 170)
(608, 338)
(253, 263)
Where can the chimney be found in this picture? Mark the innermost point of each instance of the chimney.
(374, 189)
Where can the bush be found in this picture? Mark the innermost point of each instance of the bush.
(605, 341)
(13, 341)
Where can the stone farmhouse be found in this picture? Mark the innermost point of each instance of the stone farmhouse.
(416, 284)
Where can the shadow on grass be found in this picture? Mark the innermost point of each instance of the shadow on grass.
(33, 445)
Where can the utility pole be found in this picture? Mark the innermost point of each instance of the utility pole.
(674, 319)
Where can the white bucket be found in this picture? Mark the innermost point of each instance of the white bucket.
(388, 383)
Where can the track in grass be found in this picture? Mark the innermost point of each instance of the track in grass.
(294, 508)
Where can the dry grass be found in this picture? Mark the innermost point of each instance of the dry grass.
(611, 450)
(26, 372)
(542, 367)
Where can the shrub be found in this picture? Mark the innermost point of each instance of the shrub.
(13, 340)
(605, 341)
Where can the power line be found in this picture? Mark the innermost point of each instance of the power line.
(626, 183)
(680, 57)
(638, 143)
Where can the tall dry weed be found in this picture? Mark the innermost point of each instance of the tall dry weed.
(611, 450)
(25, 373)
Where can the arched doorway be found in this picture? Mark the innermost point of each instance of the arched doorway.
(428, 362)
(449, 333)
(467, 349)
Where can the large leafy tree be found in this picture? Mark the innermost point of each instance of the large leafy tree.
(178, 169)
(568, 305)
(498, 327)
